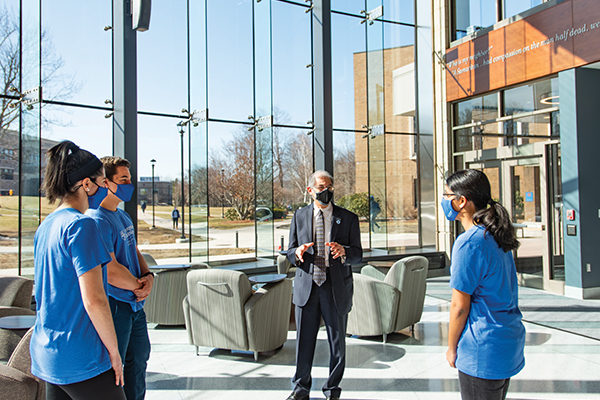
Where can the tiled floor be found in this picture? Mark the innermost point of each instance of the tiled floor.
(559, 364)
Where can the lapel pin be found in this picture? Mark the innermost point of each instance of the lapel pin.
(338, 221)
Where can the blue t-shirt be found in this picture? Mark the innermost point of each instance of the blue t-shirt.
(117, 231)
(65, 347)
(491, 345)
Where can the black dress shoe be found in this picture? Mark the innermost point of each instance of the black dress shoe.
(298, 396)
(333, 397)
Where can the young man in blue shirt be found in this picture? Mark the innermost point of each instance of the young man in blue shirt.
(129, 278)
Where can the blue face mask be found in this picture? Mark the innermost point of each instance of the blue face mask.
(124, 191)
(449, 211)
(95, 199)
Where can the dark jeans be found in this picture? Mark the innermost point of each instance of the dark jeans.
(134, 346)
(472, 388)
(100, 387)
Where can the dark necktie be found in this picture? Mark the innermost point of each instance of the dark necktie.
(319, 275)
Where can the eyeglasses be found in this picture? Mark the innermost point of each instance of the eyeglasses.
(321, 188)
(449, 194)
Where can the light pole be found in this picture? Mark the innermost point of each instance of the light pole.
(153, 161)
(222, 194)
(181, 132)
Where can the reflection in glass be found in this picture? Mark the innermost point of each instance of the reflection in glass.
(533, 97)
(349, 6)
(477, 109)
(470, 15)
(376, 142)
(513, 7)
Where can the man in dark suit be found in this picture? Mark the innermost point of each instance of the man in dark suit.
(324, 242)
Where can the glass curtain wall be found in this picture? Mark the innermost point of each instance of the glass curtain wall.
(374, 102)
(223, 136)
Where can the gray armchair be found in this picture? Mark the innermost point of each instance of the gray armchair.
(284, 266)
(163, 305)
(386, 303)
(16, 381)
(221, 311)
(15, 299)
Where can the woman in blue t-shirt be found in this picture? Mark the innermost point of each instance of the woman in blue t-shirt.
(73, 346)
(486, 336)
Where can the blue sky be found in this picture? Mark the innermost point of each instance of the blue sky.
(75, 32)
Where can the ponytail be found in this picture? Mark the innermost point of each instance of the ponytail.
(496, 221)
(66, 165)
(475, 186)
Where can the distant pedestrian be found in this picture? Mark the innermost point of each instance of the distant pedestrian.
(374, 211)
(143, 205)
(175, 216)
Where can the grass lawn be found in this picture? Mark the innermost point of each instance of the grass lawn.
(160, 235)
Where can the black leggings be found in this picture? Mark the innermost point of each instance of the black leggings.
(100, 387)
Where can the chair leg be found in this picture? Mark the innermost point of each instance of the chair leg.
(197, 351)
(385, 338)
(256, 356)
(412, 330)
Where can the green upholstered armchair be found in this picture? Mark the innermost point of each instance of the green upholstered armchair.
(222, 311)
(386, 303)
(16, 381)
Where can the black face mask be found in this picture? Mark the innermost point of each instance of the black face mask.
(324, 196)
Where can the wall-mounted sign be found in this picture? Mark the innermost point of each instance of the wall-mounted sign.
(561, 37)
(529, 197)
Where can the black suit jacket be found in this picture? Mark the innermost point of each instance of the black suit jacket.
(345, 231)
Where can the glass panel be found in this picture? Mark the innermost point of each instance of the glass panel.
(555, 224)
(263, 214)
(292, 92)
(399, 11)
(469, 15)
(513, 7)
(231, 191)
(166, 39)
(527, 98)
(401, 181)
(76, 51)
(292, 166)
(399, 78)
(351, 169)
(198, 78)
(519, 129)
(30, 137)
(199, 192)
(348, 72)
(230, 86)
(483, 108)
(527, 218)
(350, 6)
(9, 139)
(376, 145)
(159, 139)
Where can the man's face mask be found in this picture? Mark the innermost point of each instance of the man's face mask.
(124, 191)
(325, 196)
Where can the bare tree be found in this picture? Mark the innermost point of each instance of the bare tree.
(62, 86)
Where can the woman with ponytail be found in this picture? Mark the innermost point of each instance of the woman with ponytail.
(486, 336)
(73, 346)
